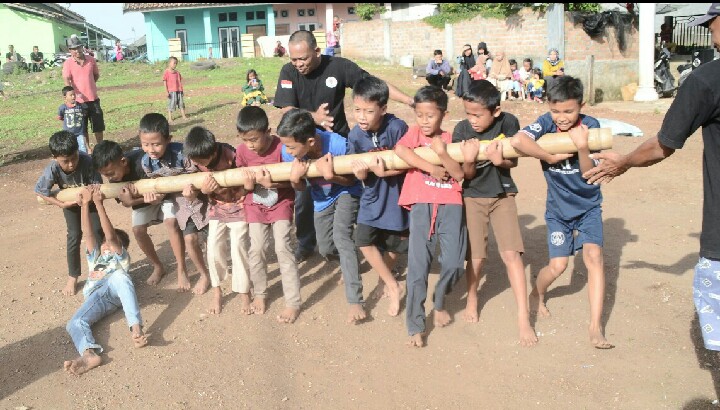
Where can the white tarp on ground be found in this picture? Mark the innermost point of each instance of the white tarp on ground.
(620, 128)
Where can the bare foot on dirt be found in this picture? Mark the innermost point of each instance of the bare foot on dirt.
(356, 313)
(416, 340)
(70, 285)
(138, 337)
(202, 285)
(288, 315)
(598, 340)
(441, 318)
(156, 276)
(183, 282)
(258, 306)
(470, 314)
(245, 306)
(528, 336)
(538, 305)
(215, 307)
(83, 364)
(395, 294)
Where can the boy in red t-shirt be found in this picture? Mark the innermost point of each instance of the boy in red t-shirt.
(173, 85)
(268, 210)
(434, 197)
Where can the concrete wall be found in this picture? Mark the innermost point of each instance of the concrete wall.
(522, 36)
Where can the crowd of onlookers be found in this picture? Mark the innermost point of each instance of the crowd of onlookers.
(514, 80)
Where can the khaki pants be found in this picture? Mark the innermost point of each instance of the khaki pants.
(217, 254)
(259, 241)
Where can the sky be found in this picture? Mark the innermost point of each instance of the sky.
(109, 17)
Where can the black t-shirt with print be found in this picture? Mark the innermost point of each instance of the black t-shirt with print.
(325, 84)
(490, 181)
(696, 105)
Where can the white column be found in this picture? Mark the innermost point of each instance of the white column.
(329, 14)
(646, 59)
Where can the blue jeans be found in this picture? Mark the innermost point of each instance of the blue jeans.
(81, 143)
(304, 223)
(111, 293)
(335, 226)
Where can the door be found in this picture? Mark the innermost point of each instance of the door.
(257, 30)
(229, 41)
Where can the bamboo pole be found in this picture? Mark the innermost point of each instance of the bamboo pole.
(557, 143)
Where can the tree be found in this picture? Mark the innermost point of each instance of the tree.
(367, 11)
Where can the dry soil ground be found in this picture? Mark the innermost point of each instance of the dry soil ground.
(652, 222)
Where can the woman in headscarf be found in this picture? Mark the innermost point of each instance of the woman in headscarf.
(484, 54)
(466, 61)
(553, 67)
(500, 74)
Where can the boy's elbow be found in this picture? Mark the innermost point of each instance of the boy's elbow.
(515, 141)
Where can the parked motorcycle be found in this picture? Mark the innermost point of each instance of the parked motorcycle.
(664, 80)
(685, 69)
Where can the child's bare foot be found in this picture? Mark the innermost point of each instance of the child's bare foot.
(183, 282)
(528, 337)
(82, 364)
(537, 304)
(441, 318)
(598, 340)
(202, 285)
(245, 307)
(138, 337)
(356, 313)
(395, 294)
(258, 306)
(156, 276)
(216, 303)
(69, 289)
(416, 340)
(471, 312)
(288, 315)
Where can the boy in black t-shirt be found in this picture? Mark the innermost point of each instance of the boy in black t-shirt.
(489, 198)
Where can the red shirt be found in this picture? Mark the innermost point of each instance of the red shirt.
(173, 80)
(257, 212)
(82, 74)
(421, 187)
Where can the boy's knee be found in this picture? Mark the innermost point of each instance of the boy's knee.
(557, 266)
(592, 254)
(72, 324)
(140, 230)
(191, 240)
(171, 224)
(511, 257)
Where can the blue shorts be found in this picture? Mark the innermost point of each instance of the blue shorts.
(560, 233)
(706, 291)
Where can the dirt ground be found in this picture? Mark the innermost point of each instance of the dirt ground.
(652, 220)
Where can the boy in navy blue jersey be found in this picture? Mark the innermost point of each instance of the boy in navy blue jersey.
(381, 222)
(572, 203)
(73, 115)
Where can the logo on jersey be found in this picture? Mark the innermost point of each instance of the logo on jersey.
(331, 82)
(285, 84)
(557, 238)
(536, 127)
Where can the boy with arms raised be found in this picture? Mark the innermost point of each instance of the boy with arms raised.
(381, 223)
(434, 197)
(69, 168)
(572, 203)
(165, 158)
(268, 209)
(108, 287)
(489, 197)
(335, 197)
(227, 217)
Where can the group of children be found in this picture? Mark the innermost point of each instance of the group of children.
(381, 212)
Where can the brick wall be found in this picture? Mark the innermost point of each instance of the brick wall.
(363, 39)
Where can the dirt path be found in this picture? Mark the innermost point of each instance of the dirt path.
(652, 222)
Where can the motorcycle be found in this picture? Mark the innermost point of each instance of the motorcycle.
(685, 69)
(664, 80)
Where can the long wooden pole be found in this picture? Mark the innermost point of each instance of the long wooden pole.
(558, 143)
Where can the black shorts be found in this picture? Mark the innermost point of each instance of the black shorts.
(191, 228)
(386, 240)
(95, 115)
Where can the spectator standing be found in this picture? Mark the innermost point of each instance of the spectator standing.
(80, 71)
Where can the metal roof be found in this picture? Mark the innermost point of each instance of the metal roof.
(60, 13)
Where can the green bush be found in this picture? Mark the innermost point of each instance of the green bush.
(456, 12)
(367, 11)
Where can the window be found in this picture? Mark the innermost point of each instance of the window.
(307, 26)
(260, 15)
(249, 15)
(275, 13)
(179, 19)
(222, 17)
(284, 13)
(311, 12)
(182, 35)
(301, 12)
(232, 16)
(351, 10)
